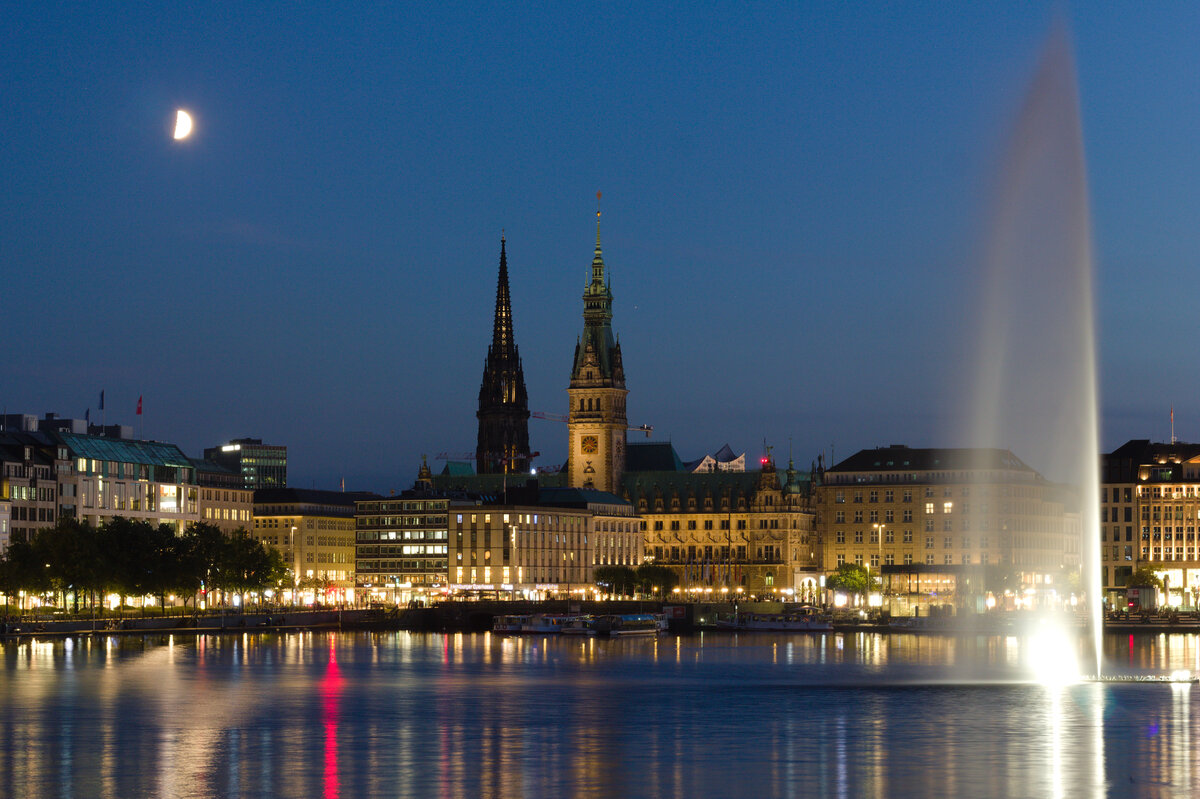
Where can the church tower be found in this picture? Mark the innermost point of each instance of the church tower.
(503, 443)
(596, 422)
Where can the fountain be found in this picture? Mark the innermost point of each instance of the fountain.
(1036, 389)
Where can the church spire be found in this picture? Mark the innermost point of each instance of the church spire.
(502, 325)
(503, 441)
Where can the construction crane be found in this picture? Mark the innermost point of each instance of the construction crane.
(557, 417)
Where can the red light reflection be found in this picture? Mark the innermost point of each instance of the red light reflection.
(331, 689)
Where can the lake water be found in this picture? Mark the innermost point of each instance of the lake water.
(715, 715)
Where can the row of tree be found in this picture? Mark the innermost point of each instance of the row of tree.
(648, 578)
(131, 557)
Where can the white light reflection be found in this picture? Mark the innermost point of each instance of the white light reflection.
(1051, 657)
(1181, 723)
(1096, 701)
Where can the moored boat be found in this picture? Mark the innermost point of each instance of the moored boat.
(509, 625)
(777, 622)
(580, 625)
(630, 624)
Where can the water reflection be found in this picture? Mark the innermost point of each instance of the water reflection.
(345, 715)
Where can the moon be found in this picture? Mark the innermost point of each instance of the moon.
(183, 124)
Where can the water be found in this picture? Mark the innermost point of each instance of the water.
(1036, 389)
(427, 715)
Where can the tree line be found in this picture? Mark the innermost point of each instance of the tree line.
(649, 578)
(82, 564)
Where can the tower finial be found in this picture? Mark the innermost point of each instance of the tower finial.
(597, 222)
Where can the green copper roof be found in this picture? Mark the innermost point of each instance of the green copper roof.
(151, 453)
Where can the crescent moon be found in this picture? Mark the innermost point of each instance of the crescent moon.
(183, 124)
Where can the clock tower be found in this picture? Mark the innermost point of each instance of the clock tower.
(596, 423)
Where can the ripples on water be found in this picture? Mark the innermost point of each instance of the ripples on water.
(425, 715)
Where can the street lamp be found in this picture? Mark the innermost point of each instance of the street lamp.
(879, 546)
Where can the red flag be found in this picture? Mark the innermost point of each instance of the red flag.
(139, 410)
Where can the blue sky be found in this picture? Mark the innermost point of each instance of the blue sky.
(793, 198)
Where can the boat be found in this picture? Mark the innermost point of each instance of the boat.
(630, 624)
(968, 624)
(508, 625)
(777, 622)
(547, 623)
(580, 625)
(534, 623)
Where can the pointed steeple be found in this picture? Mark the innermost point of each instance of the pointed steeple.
(598, 257)
(598, 346)
(596, 393)
(503, 441)
(502, 325)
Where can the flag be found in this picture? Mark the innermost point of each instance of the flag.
(139, 408)
(101, 399)
(87, 415)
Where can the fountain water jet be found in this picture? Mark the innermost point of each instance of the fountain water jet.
(1036, 392)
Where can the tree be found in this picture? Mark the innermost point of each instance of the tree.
(204, 557)
(616, 579)
(1145, 576)
(247, 564)
(71, 553)
(654, 578)
(23, 569)
(851, 578)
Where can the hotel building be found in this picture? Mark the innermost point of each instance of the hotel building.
(315, 533)
(931, 520)
(1149, 507)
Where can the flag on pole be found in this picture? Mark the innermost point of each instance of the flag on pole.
(139, 407)
(101, 399)
(87, 415)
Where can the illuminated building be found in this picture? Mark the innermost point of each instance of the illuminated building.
(1149, 508)
(314, 531)
(53, 474)
(723, 460)
(28, 482)
(401, 543)
(147, 480)
(260, 465)
(503, 441)
(543, 542)
(224, 501)
(596, 394)
(725, 532)
(931, 520)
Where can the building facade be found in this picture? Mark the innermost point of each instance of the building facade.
(517, 549)
(503, 441)
(315, 533)
(146, 480)
(930, 521)
(224, 502)
(724, 533)
(543, 542)
(29, 470)
(401, 544)
(1149, 509)
(260, 465)
(596, 421)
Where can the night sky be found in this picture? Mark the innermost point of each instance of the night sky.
(793, 202)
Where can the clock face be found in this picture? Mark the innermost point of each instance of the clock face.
(588, 444)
